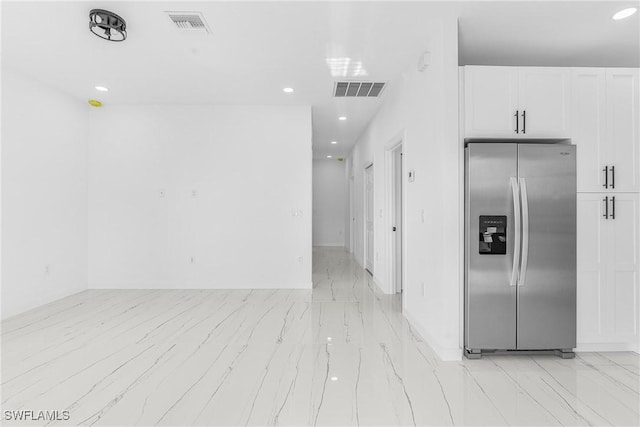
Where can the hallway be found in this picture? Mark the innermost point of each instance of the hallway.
(341, 354)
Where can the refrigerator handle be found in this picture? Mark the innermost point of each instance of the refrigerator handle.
(525, 232)
(516, 232)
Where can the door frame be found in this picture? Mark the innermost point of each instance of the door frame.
(392, 145)
(365, 260)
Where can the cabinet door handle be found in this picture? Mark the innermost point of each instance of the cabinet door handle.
(516, 116)
(606, 207)
(524, 121)
(606, 177)
(613, 177)
(613, 207)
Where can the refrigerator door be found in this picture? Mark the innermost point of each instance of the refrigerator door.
(547, 282)
(490, 291)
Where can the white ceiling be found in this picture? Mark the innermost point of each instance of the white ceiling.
(258, 48)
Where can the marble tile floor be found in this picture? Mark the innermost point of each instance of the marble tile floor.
(339, 355)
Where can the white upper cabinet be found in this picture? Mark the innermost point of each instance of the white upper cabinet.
(589, 115)
(543, 102)
(491, 101)
(622, 129)
(516, 102)
(605, 129)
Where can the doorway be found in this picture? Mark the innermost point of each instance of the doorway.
(368, 218)
(397, 218)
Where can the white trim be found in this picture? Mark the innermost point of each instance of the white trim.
(616, 346)
(389, 212)
(445, 354)
(368, 164)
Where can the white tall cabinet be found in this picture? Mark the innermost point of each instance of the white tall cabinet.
(598, 110)
(605, 121)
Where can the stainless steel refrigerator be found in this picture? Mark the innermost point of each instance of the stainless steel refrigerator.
(520, 248)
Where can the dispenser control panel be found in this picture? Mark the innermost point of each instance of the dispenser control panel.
(493, 235)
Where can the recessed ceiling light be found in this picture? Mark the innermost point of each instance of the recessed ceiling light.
(334, 378)
(102, 88)
(334, 142)
(624, 13)
(328, 157)
(342, 118)
(288, 90)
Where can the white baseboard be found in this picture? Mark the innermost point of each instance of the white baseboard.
(190, 286)
(617, 346)
(446, 354)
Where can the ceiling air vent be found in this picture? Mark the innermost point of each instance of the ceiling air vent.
(358, 89)
(192, 22)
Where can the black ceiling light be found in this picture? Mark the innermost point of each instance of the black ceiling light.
(107, 25)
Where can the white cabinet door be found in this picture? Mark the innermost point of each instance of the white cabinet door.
(622, 277)
(623, 115)
(608, 269)
(592, 271)
(490, 101)
(544, 100)
(588, 103)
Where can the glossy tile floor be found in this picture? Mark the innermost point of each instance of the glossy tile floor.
(339, 355)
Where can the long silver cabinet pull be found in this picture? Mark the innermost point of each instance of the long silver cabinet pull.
(525, 232)
(606, 207)
(516, 231)
(613, 207)
(606, 177)
(516, 116)
(613, 177)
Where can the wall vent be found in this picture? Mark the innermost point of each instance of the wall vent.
(358, 89)
(191, 22)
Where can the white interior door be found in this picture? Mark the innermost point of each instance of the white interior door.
(368, 215)
(397, 218)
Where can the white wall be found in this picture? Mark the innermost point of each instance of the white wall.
(249, 224)
(329, 202)
(44, 194)
(422, 111)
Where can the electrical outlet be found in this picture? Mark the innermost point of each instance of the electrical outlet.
(194, 194)
(300, 259)
(162, 194)
(47, 269)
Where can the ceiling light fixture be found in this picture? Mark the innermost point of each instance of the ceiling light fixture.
(342, 118)
(107, 25)
(328, 157)
(624, 13)
(334, 378)
(288, 90)
(102, 88)
(334, 142)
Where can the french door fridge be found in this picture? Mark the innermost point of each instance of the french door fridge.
(520, 247)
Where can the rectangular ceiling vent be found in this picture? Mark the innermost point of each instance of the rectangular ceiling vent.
(189, 22)
(358, 89)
